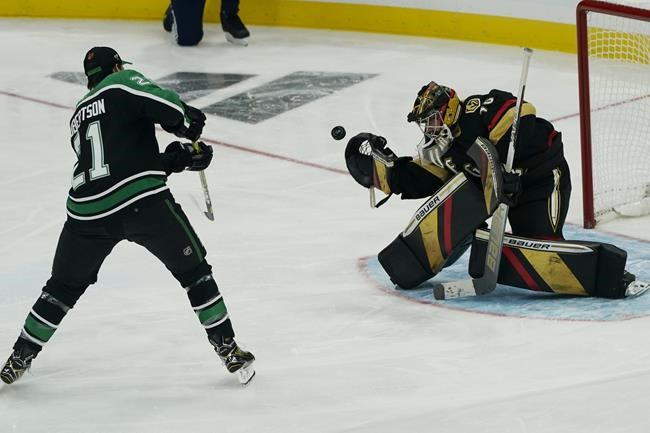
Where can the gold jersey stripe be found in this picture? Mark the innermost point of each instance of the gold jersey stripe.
(506, 120)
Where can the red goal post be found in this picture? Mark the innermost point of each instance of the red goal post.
(614, 91)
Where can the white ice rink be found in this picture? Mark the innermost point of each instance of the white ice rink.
(334, 353)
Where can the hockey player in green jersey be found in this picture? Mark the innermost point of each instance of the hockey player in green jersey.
(119, 192)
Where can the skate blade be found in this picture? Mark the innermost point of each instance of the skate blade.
(636, 288)
(245, 374)
(233, 40)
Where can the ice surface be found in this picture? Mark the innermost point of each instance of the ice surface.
(335, 353)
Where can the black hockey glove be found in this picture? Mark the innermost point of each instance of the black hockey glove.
(196, 120)
(184, 156)
(511, 188)
(358, 156)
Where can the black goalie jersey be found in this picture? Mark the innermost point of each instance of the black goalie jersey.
(538, 149)
(112, 133)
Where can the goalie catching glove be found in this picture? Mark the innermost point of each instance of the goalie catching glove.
(185, 156)
(369, 161)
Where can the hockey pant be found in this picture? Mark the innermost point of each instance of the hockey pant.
(564, 267)
(543, 205)
(163, 229)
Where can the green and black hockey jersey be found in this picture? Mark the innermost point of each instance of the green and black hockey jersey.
(113, 135)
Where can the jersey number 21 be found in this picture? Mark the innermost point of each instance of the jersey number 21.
(99, 168)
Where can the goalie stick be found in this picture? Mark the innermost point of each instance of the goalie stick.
(488, 281)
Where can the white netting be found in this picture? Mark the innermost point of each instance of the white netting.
(619, 86)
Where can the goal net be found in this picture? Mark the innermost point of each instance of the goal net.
(614, 77)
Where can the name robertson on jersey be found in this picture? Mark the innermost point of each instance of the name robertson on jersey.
(86, 112)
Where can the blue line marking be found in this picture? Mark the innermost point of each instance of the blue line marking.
(510, 301)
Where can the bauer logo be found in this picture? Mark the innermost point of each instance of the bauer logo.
(187, 251)
(432, 203)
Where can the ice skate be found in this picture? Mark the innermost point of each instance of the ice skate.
(634, 287)
(236, 360)
(234, 29)
(18, 363)
(168, 19)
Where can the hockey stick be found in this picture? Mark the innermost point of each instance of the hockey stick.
(204, 185)
(378, 156)
(488, 281)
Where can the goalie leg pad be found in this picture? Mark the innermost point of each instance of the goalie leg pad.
(436, 235)
(564, 267)
(403, 265)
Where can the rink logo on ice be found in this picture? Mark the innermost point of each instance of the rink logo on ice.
(253, 105)
(513, 302)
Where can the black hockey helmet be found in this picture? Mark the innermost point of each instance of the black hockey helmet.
(436, 110)
(99, 63)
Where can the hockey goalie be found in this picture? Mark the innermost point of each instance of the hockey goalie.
(458, 171)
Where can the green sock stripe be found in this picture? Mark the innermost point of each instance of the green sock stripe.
(38, 329)
(213, 313)
(187, 230)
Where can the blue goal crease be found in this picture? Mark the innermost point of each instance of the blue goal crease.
(510, 301)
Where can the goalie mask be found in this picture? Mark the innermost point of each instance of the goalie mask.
(436, 111)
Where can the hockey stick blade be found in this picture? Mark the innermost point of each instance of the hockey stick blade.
(454, 289)
(462, 288)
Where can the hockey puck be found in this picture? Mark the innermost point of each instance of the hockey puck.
(338, 133)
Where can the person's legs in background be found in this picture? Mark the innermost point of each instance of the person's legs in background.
(235, 30)
(184, 18)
